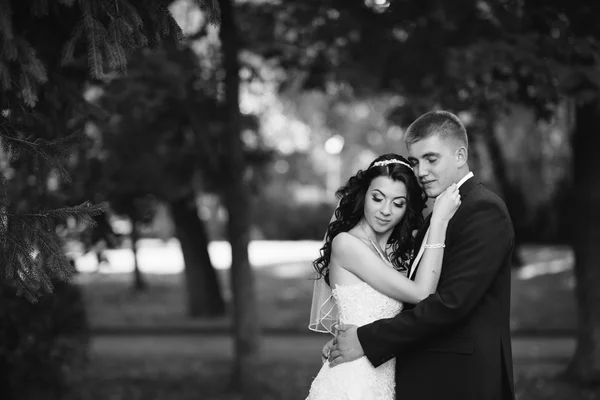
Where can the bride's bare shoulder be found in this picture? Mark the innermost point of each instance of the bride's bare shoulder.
(343, 239)
(346, 242)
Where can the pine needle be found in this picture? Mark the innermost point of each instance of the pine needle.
(92, 27)
(212, 10)
(69, 47)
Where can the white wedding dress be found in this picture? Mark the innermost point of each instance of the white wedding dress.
(359, 304)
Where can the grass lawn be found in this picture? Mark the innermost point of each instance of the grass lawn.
(543, 303)
(190, 378)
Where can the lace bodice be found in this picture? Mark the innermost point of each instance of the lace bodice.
(359, 304)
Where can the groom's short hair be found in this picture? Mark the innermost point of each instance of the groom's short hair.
(442, 123)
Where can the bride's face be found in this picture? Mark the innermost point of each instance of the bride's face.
(385, 204)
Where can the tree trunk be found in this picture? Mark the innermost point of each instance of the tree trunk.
(585, 365)
(139, 283)
(203, 290)
(237, 200)
(511, 193)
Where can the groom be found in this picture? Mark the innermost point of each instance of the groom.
(456, 343)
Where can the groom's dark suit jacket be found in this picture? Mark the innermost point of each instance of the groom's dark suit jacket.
(456, 343)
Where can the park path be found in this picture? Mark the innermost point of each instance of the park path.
(526, 350)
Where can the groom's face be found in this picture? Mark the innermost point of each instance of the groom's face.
(434, 160)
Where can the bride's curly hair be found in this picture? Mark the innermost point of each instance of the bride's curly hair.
(351, 209)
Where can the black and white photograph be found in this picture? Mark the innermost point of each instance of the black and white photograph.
(299, 200)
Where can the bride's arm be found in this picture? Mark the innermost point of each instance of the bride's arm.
(430, 265)
(354, 256)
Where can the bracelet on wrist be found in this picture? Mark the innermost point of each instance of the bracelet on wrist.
(435, 246)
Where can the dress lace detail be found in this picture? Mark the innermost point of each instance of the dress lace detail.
(359, 304)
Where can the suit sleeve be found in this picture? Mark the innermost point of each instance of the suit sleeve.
(479, 248)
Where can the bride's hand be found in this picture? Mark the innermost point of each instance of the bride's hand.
(446, 204)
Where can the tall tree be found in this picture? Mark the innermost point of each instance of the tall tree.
(237, 200)
(585, 365)
(163, 140)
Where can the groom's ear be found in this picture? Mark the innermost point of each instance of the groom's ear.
(462, 156)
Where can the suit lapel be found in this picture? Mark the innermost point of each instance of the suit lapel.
(467, 186)
(421, 234)
(418, 241)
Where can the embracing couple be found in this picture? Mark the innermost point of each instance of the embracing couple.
(419, 307)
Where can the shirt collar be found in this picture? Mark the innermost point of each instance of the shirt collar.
(464, 179)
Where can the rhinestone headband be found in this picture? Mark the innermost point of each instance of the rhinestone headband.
(392, 161)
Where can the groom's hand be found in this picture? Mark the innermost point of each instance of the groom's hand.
(346, 346)
(327, 350)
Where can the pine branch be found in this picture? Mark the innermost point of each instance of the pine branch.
(28, 90)
(51, 248)
(29, 60)
(34, 67)
(212, 10)
(117, 38)
(111, 55)
(53, 152)
(23, 263)
(9, 142)
(93, 29)
(82, 214)
(32, 253)
(69, 47)
(121, 31)
(173, 27)
(131, 14)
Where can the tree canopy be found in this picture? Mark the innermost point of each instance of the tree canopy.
(49, 51)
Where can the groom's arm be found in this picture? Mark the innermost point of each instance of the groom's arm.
(474, 256)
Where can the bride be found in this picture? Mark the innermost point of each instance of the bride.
(363, 267)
